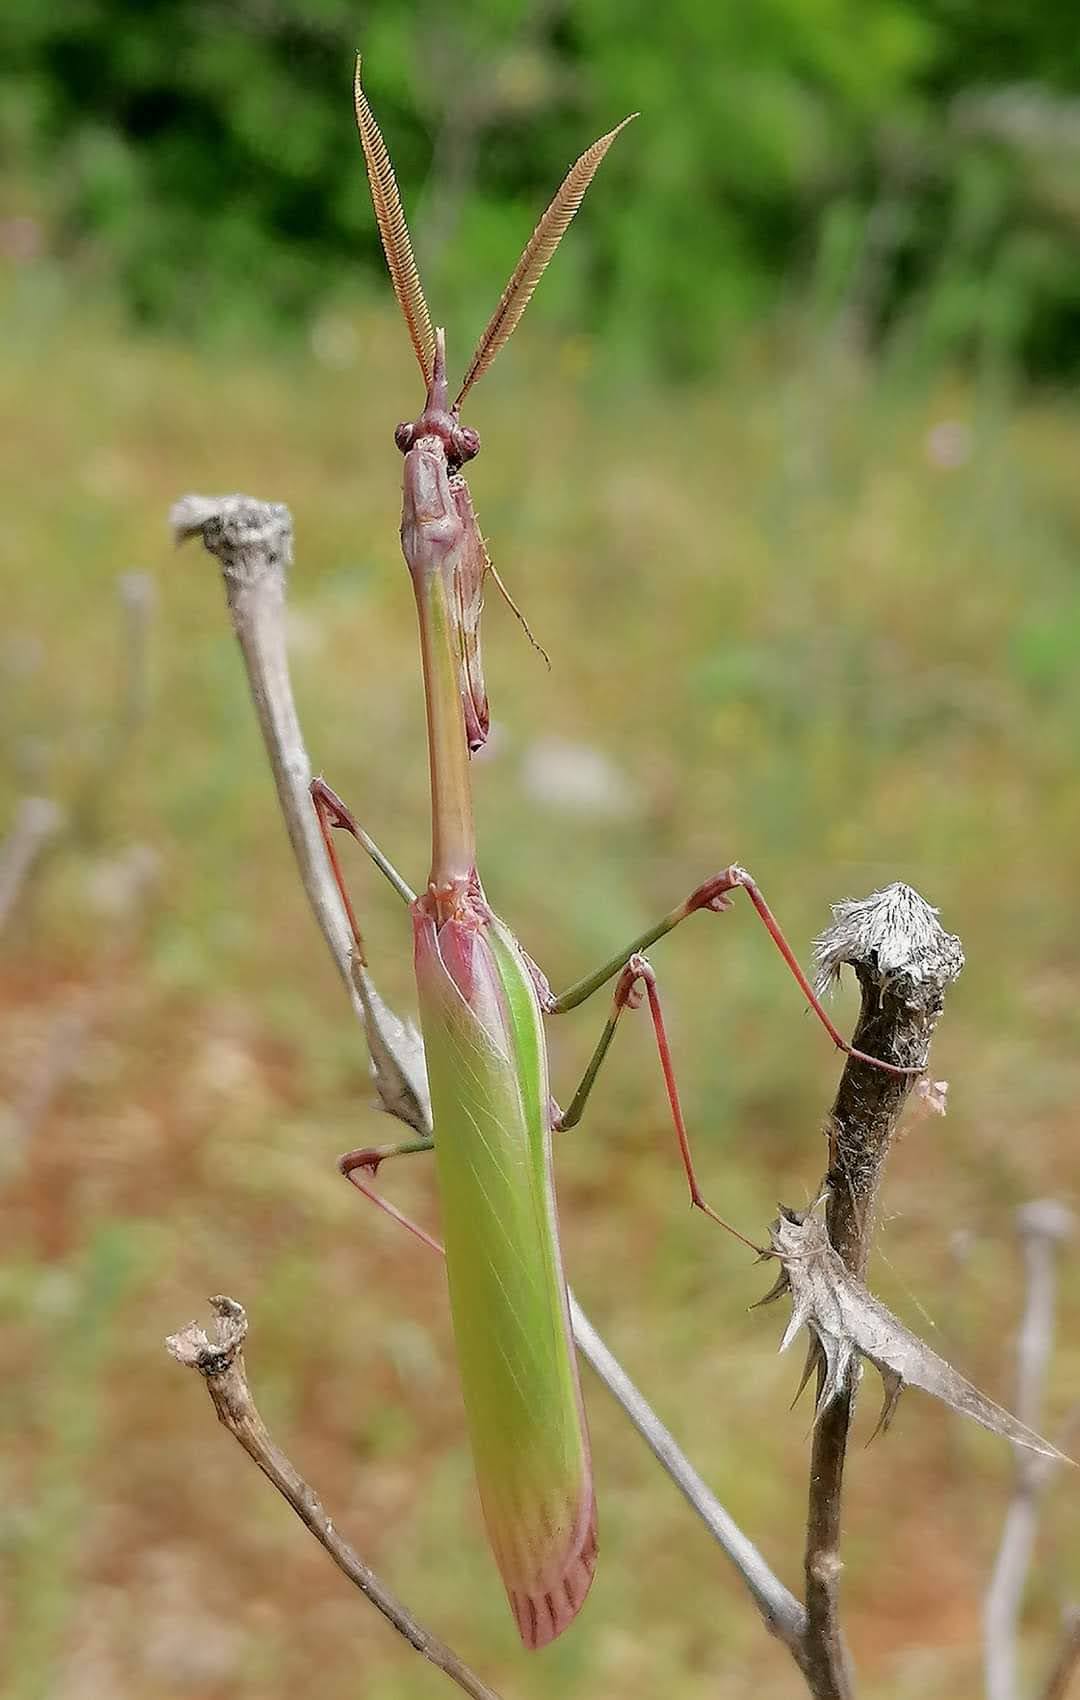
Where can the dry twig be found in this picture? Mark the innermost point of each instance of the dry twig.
(1043, 1225)
(37, 821)
(221, 1364)
(904, 961)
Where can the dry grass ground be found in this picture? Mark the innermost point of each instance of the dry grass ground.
(806, 628)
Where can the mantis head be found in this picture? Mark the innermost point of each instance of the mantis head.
(439, 532)
(460, 444)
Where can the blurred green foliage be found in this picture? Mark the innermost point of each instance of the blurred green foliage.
(899, 161)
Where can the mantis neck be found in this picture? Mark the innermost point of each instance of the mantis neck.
(453, 834)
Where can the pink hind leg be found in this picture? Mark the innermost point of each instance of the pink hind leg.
(639, 972)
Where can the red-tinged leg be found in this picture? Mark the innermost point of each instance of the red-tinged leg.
(332, 813)
(638, 972)
(715, 895)
(356, 1164)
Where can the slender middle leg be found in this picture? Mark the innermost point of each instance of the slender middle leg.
(715, 894)
(331, 812)
(637, 973)
(355, 1165)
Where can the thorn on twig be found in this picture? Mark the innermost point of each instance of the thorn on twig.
(848, 1323)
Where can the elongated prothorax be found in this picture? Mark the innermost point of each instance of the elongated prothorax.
(433, 540)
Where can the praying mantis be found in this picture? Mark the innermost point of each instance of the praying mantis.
(483, 1002)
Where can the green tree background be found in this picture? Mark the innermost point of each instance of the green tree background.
(900, 162)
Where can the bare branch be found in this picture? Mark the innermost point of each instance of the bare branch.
(37, 820)
(221, 1364)
(1043, 1225)
(781, 1612)
(904, 961)
(253, 542)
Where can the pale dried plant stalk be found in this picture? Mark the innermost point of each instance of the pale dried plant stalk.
(1044, 1227)
(904, 962)
(253, 543)
(37, 822)
(221, 1364)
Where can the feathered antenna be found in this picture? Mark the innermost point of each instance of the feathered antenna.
(394, 232)
(533, 262)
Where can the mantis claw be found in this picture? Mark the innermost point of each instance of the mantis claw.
(370, 1158)
(715, 892)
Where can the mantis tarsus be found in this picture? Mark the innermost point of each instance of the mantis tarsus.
(482, 1001)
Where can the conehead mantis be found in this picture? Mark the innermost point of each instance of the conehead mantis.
(483, 1002)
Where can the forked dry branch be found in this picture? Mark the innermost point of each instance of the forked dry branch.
(221, 1364)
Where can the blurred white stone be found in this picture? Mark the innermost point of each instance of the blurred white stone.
(949, 444)
(224, 1066)
(21, 240)
(577, 778)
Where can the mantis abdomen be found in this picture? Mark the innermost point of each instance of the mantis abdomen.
(487, 1070)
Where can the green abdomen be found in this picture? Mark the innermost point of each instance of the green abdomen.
(489, 1093)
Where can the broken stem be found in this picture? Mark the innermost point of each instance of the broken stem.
(221, 1364)
(904, 961)
(37, 820)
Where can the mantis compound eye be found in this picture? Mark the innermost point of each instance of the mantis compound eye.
(403, 436)
(466, 443)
